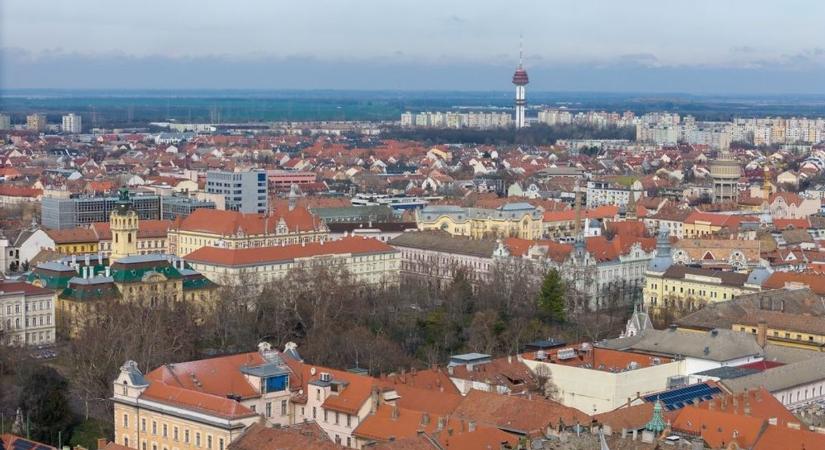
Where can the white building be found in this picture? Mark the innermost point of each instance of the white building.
(370, 261)
(26, 314)
(72, 124)
(5, 122)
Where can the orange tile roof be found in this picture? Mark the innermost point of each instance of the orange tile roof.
(304, 436)
(602, 359)
(217, 376)
(719, 428)
(146, 229)
(601, 212)
(799, 224)
(519, 414)
(226, 223)
(263, 255)
(395, 422)
(8, 287)
(72, 236)
(814, 280)
(17, 191)
(201, 401)
(759, 402)
(779, 437)
(350, 400)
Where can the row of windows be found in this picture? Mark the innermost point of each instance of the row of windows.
(186, 437)
(35, 306)
(30, 322)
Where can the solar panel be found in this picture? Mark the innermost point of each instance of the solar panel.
(681, 397)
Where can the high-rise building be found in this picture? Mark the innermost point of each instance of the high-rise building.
(243, 191)
(520, 80)
(5, 122)
(72, 124)
(36, 122)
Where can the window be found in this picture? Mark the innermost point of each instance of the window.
(165, 433)
(268, 409)
(154, 427)
(197, 439)
(143, 425)
(175, 433)
(326, 416)
(126, 421)
(336, 417)
(209, 441)
(349, 424)
(283, 407)
(125, 441)
(186, 436)
(314, 412)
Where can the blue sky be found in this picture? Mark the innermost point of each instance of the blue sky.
(700, 46)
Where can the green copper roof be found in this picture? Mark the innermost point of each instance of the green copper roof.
(657, 422)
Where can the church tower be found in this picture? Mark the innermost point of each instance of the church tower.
(124, 226)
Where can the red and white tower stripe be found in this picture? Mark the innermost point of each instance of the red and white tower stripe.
(520, 80)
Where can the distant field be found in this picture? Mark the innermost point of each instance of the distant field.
(138, 107)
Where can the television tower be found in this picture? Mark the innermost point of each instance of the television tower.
(520, 80)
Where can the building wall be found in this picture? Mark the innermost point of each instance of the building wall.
(686, 294)
(369, 268)
(184, 242)
(596, 391)
(27, 320)
(524, 227)
(802, 395)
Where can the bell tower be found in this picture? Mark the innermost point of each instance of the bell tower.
(124, 226)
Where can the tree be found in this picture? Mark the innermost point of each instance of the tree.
(551, 297)
(44, 403)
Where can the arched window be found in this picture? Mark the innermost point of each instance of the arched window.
(129, 237)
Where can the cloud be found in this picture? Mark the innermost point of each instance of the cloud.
(642, 72)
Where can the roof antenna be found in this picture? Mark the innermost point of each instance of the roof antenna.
(520, 49)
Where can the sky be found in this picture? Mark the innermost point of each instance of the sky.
(697, 46)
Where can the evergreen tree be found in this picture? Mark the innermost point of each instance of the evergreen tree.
(43, 400)
(551, 297)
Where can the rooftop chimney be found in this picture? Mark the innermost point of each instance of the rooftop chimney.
(762, 333)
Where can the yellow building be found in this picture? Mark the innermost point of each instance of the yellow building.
(74, 241)
(788, 317)
(683, 289)
(207, 404)
(521, 220)
(86, 285)
(674, 290)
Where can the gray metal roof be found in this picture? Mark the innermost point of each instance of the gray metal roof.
(443, 242)
(728, 372)
(782, 377)
(715, 345)
(265, 370)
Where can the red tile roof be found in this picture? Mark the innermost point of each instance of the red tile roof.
(17, 191)
(8, 287)
(72, 236)
(225, 223)
(146, 229)
(196, 400)
(519, 414)
(278, 254)
(814, 280)
(779, 437)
